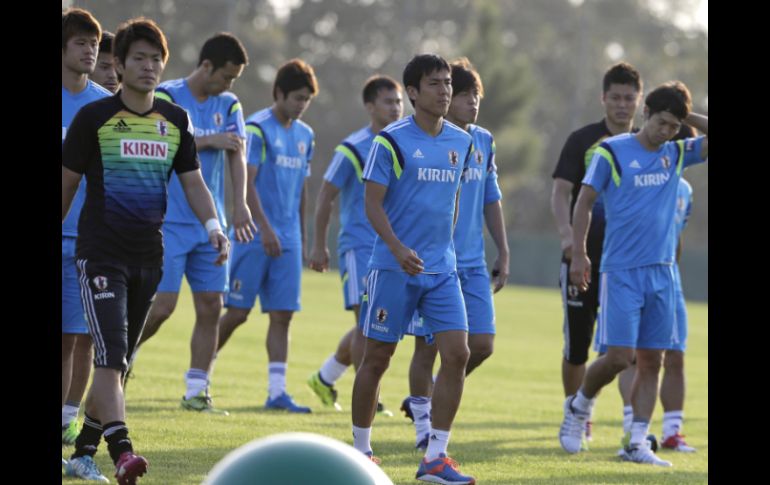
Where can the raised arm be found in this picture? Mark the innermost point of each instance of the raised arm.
(700, 123)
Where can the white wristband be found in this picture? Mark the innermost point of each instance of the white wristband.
(213, 225)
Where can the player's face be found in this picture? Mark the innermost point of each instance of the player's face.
(661, 127)
(144, 67)
(465, 106)
(435, 93)
(80, 53)
(222, 79)
(105, 74)
(387, 107)
(620, 103)
(294, 104)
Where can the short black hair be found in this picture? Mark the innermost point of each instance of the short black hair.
(293, 75)
(375, 83)
(221, 48)
(622, 73)
(422, 65)
(465, 77)
(673, 97)
(76, 21)
(105, 45)
(140, 28)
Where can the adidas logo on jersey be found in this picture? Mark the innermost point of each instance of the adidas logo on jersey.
(417, 154)
(278, 143)
(121, 126)
(634, 164)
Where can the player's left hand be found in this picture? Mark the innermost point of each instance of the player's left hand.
(499, 273)
(244, 226)
(220, 242)
(580, 271)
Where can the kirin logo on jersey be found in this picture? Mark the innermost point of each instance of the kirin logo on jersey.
(301, 146)
(453, 158)
(149, 150)
(162, 127)
(665, 161)
(218, 120)
(479, 157)
(100, 282)
(382, 315)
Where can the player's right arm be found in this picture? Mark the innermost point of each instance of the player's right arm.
(69, 186)
(407, 258)
(580, 266)
(700, 123)
(270, 241)
(319, 256)
(219, 141)
(560, 198)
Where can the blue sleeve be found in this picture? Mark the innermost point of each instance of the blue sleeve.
(339, 171)
(492, 191)
(687, 212)
(692, 148)
(379, 164)
(255, 145)
(235, 123)
(598, 174)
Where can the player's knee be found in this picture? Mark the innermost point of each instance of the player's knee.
(208, 304)
(673, 362)
(481, 350)
(161, 311)
(619, 362)
(457, 358)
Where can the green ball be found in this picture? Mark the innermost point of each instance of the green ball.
(296, 459)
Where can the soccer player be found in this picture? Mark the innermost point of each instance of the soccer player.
(217, 117)
(79, 44)
(638, 177)
(480, 200)
(621, 94)
(413, 176)
(383, 102)
(279, 148)
(126, 146)
(672, 388)
(105, 74)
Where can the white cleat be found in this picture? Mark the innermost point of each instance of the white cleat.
(573, 427)
(643, 454)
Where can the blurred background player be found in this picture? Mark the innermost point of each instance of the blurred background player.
(638, 177)
(480, 200)
(621, 94)
(105, 74)
(384, 105)
(80, 33)
(127, 159)
(217, 117)
(280, 148)
(672, 386)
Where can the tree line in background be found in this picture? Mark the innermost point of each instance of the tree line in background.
(541, 63)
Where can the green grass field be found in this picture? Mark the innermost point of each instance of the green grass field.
(505, 432)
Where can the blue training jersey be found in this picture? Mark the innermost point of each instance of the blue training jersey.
(422, 174)
(217, 114)
(70, 104)
(479, 188)
(283, 156)
(346, 173)
(640, 192)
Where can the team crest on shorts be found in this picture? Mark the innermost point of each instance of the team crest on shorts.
(572, 291)
(452, 158)
(382, 315)
(162, 127)
(301, 146)
(665, 161)
(236, 285)
(100, 282)
(218, 119)
(479, 157)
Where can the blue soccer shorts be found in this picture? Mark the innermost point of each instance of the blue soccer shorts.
(73, 320)
(353, 264)
(188, 252)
